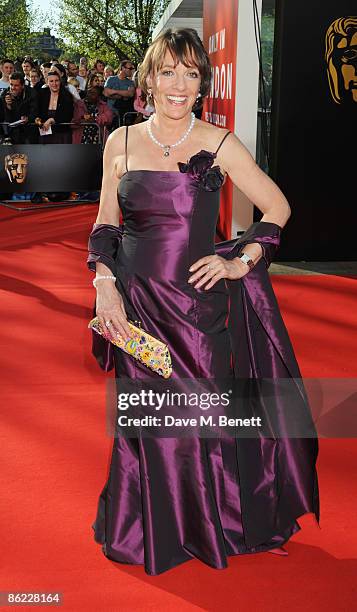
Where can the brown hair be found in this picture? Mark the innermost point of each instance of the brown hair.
(54, 73)
(96, 62)
(90, 79)
(186, 47)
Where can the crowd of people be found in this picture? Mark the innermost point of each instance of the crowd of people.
(67, 102)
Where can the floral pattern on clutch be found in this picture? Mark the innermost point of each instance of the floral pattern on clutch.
(144, 347)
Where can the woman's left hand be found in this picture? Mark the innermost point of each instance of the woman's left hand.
(213, 267)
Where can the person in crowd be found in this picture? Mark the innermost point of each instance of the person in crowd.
(72, 69)
(92, 109)
(7, 68)
(61, 70)
(2, 112)
(108, 71)
(36, 78)
(82, 76)
(62, 73)
(99, 66)
(20, 102)
(27, 65)
(56, 106)
(75, 82)
(101, 79)
(141, 103)
(120, 90)
(95, 111)
(18, 64)
(92, 81)
(45, 68)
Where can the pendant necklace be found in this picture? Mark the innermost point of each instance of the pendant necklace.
(168, 147)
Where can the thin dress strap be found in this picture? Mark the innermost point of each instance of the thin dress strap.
(222, 141)
(126, 147)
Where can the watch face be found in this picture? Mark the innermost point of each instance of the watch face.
(247, 260)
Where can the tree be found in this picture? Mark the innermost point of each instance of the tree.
(15, 20)
(18, 20)
(112, 29)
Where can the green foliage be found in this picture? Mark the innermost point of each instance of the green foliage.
(18, 20)
(110, 29)
(267, 37)
(15, 21)
(267, 34)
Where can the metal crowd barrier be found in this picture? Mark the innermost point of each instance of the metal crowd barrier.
(10, 126)
(127, 115)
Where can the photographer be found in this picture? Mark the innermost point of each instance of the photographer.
(19, 102)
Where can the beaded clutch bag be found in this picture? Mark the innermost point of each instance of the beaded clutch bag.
(144, 347)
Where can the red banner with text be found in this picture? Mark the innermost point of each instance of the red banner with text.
(220, 21)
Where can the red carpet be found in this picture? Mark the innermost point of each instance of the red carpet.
(55, 450)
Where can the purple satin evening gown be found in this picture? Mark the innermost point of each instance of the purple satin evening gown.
(169, 500)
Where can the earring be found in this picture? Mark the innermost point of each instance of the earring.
(150, 97)
(198, 102)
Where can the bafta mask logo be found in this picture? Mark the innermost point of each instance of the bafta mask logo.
(16, 167)
(341, 59)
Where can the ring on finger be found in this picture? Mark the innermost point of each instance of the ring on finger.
(107, 323)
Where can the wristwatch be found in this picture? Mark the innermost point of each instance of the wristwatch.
(247, 260)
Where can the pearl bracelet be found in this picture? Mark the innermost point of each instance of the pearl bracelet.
(100, 277)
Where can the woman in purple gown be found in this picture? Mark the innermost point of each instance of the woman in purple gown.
(171, 499)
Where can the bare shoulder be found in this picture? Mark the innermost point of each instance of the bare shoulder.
(114, 152)
(116, 141)
(210, 135)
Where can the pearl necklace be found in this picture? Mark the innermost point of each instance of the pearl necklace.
(168, 147)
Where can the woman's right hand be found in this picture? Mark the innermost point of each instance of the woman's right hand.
(110, 308)
(47, 124)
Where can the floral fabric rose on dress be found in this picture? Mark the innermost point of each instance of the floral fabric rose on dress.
(200, 167)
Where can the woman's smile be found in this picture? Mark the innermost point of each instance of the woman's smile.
(177, 100)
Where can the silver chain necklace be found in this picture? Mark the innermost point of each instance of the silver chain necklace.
(168, 147)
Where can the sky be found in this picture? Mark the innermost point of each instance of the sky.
(42, 3)
(48, 6)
